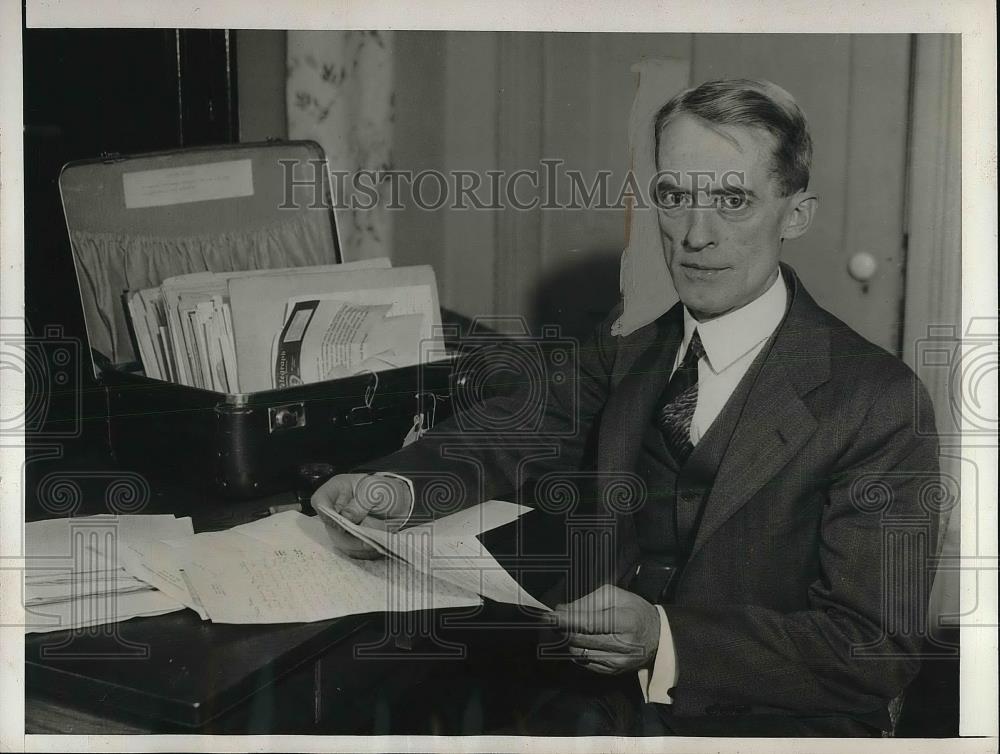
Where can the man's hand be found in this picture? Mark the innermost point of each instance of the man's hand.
(611, 630)
(368, 499)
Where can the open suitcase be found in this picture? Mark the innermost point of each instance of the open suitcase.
(237, 216)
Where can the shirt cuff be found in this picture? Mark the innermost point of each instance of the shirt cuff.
(656, 686)
(409, 485)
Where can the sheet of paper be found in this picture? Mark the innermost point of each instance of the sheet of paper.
(323, 339)
(484, 517)
(159, 565)
(167, 351)
(227, 342)
(43, 576)
(463, 524)
(144, 338)
(396, 341)
(41, 594)
(327, 338)
(74, 573)
(88, 542)
(151, 301)
(342, 345)
(259, 304)
(453, 554)
(284, 569)
(97, 611)
(467, 564)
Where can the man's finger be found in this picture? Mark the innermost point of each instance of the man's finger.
(374, 522)
(602, 598)
(594, 612)
(340, 493)
(354, 511)
(581, 620)
(350, 545)
(335, 492)
(610, 643)
(594, 655)
(585, 654)
(595, 667)
(384, 497)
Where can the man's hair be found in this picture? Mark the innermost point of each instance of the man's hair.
(756, 104)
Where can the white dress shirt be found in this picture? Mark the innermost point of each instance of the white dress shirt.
(731, 343)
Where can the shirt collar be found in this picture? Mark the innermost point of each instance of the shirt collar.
(733, 335)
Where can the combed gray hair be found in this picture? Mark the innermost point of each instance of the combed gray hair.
(756, 104)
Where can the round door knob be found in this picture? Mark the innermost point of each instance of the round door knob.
(862, 266)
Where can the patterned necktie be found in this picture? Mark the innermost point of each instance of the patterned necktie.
(679, 401)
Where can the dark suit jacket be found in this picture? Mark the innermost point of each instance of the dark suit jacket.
(806, 588)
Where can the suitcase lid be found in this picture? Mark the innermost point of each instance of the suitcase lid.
(134, 220)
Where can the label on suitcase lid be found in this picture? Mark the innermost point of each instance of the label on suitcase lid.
(190, 183)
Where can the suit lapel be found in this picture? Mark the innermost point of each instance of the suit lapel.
(775, 422)
(641, 377)
(645, 360)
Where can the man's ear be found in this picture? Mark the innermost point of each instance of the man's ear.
(802, 207)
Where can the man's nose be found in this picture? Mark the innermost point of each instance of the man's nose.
(700, 229)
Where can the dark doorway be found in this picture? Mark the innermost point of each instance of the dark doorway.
(90, 93)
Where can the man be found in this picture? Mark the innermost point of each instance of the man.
(752, 592)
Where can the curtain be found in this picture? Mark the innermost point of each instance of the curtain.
(340, 94)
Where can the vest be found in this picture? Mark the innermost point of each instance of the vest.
(676, 494)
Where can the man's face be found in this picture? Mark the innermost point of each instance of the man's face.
(721, 214)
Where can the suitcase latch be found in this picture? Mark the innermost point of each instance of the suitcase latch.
(287, 416)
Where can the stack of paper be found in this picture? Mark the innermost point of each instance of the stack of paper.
(284, 569)
(149, 323)
(238, 331)
(74, 576)
(201, 333)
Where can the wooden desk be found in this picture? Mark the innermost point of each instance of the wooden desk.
(176, 673)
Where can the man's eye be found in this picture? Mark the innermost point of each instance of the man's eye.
(732, 202)
(671, 199)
